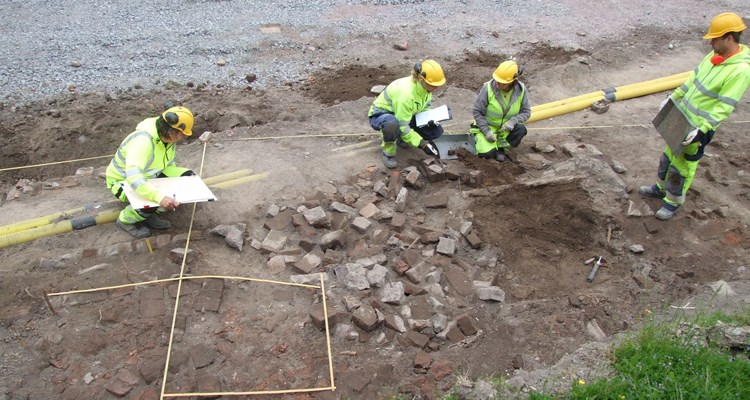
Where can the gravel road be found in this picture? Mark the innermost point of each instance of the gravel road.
(50, 47)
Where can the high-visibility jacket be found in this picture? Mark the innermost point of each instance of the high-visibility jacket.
(711, 92)
(491, 112)
(142, 156)
(403, 98)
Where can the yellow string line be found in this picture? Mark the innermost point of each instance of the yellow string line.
(283, 391)
(328, 333)
(214, 394)
(55, 162)
(353, 134)
(177, 299)
(322, 135)
(179, 284)
(237, 278)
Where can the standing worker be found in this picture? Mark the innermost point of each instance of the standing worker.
(393, 112)
(149, 153)
(500, 110)
(707, 98)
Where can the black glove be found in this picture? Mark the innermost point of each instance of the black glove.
(188, 173)
(429, 148)
(431, 124)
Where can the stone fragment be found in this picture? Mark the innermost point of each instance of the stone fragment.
(446, 246)
(333, 240)
(474, 241)
(273, 210)
(178, 254)
(392, 293)
(317, 315)
(395, 322)
(400, 204)
(365, 317)
(342, 208)
(316, 217)
(416, 339)
(466, 324)
(122, 383)
(370, 211)
(376, 276)
(352, 276)
(637, 248)
(361, 224)
(492, 293)
(309, 262)
(274, 241)
(276, 265)
(398, 221)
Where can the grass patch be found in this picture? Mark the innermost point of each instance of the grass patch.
(672, 360)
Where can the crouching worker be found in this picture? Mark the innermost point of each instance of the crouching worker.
(500, 110)
(149, 153)
(393, 112)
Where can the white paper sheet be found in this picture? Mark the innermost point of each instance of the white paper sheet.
(442, 113)
(186, 189)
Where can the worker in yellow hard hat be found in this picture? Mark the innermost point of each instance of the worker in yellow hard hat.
(393, 111)
(500, 110)
(149, 153)
(707, 98)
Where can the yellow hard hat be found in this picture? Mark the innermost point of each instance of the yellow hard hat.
(179, 118)
(431, 72)
(506, 72)
(723, 24)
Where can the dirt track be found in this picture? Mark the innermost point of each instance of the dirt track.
(534, 239)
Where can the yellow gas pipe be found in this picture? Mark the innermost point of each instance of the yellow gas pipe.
(555, 108)
(22, 232)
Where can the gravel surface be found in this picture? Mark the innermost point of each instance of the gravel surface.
(50, 47)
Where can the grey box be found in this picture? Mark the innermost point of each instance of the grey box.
(672, 125)
(449, 143)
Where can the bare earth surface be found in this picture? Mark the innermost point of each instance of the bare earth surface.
(535, 221)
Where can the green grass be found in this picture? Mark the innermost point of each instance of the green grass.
(658, 364)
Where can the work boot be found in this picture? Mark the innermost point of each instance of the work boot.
(666, 211)
(400, 143)
(389, 162)
(154, 222)
(137, 231)
(652, 191)
(500, 156)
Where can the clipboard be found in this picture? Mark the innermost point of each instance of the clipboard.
(442, 113)
(186, 189)
(672, 124)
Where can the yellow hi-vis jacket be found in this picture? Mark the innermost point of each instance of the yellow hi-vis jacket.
(403, 98)
(142, 156)
(490, 111)
(711, 92)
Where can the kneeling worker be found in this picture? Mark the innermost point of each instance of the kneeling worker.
(393, 112)
(500, 110)
(149, 153)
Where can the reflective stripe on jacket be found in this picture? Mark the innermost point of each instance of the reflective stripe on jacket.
(711, 92)
(142, 156)
(403, 98)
